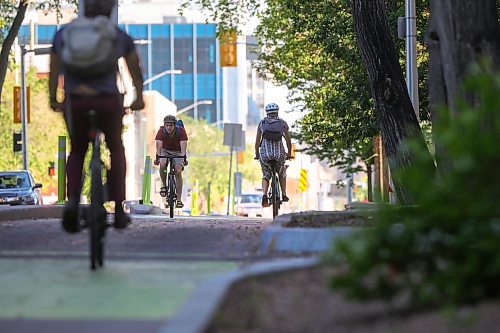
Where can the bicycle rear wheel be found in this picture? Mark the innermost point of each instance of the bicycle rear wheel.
(97, 212)
(275, 195)
(171, 195)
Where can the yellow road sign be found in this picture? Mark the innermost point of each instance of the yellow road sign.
(303, 180)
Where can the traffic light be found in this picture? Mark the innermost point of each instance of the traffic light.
(17, 142)
(52, 169)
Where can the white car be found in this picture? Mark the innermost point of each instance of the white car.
(250, 205)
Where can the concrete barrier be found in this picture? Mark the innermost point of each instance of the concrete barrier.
(9, 213)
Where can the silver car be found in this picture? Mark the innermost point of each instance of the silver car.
(250, 205)
(19, 188)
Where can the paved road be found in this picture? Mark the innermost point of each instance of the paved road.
(150, 269)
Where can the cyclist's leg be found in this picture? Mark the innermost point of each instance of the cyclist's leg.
(179, 167)
(282, 180)
(163, 173)
(79, 144)
(111, 113)
(266, 175)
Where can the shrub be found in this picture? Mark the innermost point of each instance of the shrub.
(444, 250)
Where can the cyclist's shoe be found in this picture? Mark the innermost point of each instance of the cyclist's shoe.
(265, 201)
(70, 220)
(179, 204)
(284, 199)
(163, 191)
(122, 220)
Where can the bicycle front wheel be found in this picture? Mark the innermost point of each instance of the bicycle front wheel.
(171, 195)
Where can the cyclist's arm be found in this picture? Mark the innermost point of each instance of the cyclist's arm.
(159, 145)
(288, 140)
(55, 70)
(132, 60)
(258, 138)
(183, 147)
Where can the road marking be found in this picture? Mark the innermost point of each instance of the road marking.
(67, 289)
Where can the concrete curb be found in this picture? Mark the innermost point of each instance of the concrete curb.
(197, 312)
(9, 213)
(284, 235)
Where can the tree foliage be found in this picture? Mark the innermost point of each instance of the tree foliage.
(12, 14)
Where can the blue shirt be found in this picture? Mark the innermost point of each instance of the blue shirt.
(124, 44)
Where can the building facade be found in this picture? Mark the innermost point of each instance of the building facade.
(179, 60)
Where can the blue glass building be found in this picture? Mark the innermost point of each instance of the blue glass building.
(191, 48)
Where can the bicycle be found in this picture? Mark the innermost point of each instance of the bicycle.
(96, 213)
(274, 195)
(171, 185)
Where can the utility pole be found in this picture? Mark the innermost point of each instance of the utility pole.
(411, 54)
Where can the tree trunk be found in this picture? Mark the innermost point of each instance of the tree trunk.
(459, 33)
(395, 113)
(9, 41)
(369, 181)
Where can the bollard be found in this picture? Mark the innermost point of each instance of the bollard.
(208, 198)
(61, 171)
(194, 200)
(146, 182)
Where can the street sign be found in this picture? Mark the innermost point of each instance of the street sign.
(17, 104)
(303, 180)
(232, 135)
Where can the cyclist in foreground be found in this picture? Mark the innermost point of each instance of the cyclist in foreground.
(269, 146)
(171, 139)
(99, 93)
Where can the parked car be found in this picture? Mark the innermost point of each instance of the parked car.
(19, 188)
(250, 205)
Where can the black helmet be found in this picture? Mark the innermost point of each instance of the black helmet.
(99, 7)
(169, 119)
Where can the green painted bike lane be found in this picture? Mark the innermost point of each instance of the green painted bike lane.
(66, 289)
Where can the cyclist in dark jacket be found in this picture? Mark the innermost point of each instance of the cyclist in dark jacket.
(100, 94)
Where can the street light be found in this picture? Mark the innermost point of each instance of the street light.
(168, 71)
(24, 99)
(195, 104)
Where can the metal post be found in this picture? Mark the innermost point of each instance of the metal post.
(230, 172)
(61, 171)
(411, 55)
(24, 109)
(208, 197)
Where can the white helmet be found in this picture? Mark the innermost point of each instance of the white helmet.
(272, 107)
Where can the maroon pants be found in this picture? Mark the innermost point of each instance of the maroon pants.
(109, 114)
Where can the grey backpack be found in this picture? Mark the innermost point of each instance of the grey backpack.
(272, 129)
(89, 46)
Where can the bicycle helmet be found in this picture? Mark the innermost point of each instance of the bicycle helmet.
(170, 119)
(272, 107)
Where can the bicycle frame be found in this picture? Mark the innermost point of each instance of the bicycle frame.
(171, 185)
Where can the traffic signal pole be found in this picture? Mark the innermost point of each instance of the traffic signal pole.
(24, 109)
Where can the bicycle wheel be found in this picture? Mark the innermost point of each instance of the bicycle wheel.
(275, 194)
(171, 194)
(98, 213)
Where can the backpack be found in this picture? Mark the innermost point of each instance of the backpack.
(178, 124)
(272, 129)
(89, 47)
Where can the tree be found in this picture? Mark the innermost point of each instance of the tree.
(302, 40)
(12, 14)
(454, 47)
